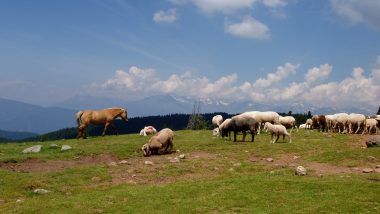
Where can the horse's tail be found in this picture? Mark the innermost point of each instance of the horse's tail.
(78, 117)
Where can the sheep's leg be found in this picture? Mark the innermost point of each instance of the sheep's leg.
(244, 134)
(283, 137)
(253, 136)
(278, 136)
(290, 138)
(235, 132)
(271, 140)
(357, 130)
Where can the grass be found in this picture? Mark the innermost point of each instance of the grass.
(217, 176)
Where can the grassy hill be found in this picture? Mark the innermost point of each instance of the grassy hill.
(217, 176)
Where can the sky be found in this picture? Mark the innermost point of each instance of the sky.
(324, 53)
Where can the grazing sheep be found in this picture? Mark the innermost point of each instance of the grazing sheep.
(330, 122)
(370, 124)
(302, 126)
(242, 124)
(288, 121)
(314, 125)
(322, 123)
(215, 132)
(356, 120)
(217, 120)
(277, 130)
(161, 142)
(341, 122)
(222, 128)
(309, 123)
(147, 130)
(262, 117)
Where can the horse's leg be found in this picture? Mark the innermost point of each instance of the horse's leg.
(81, 131)
(105, 128)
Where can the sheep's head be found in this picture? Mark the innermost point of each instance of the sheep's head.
(146, 150)
(215, 132)
(266, 125)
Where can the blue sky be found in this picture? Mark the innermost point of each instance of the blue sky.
(324, 53)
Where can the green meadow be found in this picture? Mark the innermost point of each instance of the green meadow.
(216, 175)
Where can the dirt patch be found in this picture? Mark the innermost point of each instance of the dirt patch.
(38, 165)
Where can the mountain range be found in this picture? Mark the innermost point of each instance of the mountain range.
(24, 117)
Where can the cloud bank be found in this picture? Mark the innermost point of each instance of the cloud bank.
(357, 89)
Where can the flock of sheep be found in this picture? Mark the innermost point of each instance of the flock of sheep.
(272, 122)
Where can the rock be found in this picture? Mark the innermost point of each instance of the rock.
(148, 162)
(231, 169)
(246, 151)
(33, 149)
(367, 170)
(41, 191)
(271, 172)
(54, 146)
(124, 162)
(65, 148)
(134, 175)
(19, 200)
(371, 158)
(174, 160)
(269, 159)
(96, 179)
(373, 141)
(112, 164)
(295, 157)
(182, 156)
(237, 164)
(300, 170)
(377, 166)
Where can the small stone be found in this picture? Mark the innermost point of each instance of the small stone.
(124, 162)
(237, 164)
(231, 169)
(134, 175)
(356, 168)
(112, 164)
(377, 166)
(367, 170)
(41, 191)
(371, 158)
(54, 146)
(96, 179)
(19, 200)
(148, 162)
(68, 193)
(377, 170)
(292, 165)
(269, 159)
(178, 151)
(246, 151)
(300, 170)
(271, 172)
(295, 157)
(216, 168)
(33, 149)
(182, 156)
(65, 148)
(174, 160)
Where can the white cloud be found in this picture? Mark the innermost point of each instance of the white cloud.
(248, 28)
(225, 6)
(358, 11)
(274, 3)
(282, 73)
(317, 74)
(168, 16)
(356, 90)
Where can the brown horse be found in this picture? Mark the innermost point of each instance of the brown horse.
(105, 116)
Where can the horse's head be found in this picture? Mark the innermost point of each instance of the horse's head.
(124, 115)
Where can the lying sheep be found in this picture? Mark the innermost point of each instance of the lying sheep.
(147, 130)
(277, 130)
(302, 126)
(161, 142)
(242, 124)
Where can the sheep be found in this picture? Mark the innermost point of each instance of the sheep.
(315, 121)
(217, 120)
(302, 126)
(277, 130)
(147, 130)
(330, 122)
(288, 121)
(262, 117)
(222, 128)
(215, 132)
(309, 123)
(370, 124)
(341, 122)
(356, 120)
(243, 124)
(322, 123)
(162, 141)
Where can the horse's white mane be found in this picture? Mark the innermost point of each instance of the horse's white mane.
(115, 108)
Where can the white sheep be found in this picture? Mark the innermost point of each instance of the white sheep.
(217, 120)
(356, 120)
(161, 142)
(370, 124)
(277, 129)
(309, 123)
(302, 126)
(342, 121)
(288, 121)
(262, 117)
(147, 130)
(215, 132)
